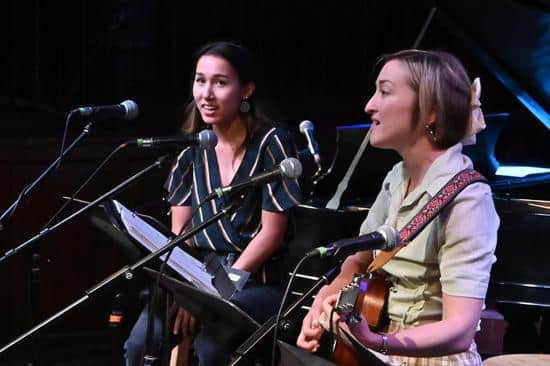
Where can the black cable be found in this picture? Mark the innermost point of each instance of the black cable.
(153, 295)
(90, 177)
(64, 137)
(9, 213)
(278, 318)
(150, 311)
(6, 215)
(165, 261)
(331, 327)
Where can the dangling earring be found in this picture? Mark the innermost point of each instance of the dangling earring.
(430, 129)
(245, 105)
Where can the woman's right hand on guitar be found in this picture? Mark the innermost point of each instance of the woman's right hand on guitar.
(184, 322)
(311, 331)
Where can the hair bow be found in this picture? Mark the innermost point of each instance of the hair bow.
(477, 121)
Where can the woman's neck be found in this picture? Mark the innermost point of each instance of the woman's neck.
(231, 134)
(418, 159)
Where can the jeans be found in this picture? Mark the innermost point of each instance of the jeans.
(135, 344)
(258, 301)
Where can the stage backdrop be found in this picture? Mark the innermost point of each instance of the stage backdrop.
(317, 61)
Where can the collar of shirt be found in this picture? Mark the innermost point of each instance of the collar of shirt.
(442, 169)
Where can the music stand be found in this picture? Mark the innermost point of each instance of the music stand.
(231, 324)
(368, 356)
(293, 356)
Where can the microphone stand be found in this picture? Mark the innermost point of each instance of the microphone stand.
(105, 196)
(35, 257)
(127, 272)
(27, 190)
(269, 325)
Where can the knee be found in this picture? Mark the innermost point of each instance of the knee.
(210, 352)
(259, 302)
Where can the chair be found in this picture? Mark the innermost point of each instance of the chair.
(490, 339)
(518, 360)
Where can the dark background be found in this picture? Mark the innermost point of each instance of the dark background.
(317, 60)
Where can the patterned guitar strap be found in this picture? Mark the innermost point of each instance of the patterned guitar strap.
(430, 210)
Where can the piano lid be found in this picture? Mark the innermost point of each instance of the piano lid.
(513, 41)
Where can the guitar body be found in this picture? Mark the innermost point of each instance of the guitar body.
(369, 303)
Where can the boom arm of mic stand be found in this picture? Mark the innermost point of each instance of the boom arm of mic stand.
(24, 194)
(105, 196)
(269, 325)
(126, 271)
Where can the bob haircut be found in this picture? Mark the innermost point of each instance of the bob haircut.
(442, 86)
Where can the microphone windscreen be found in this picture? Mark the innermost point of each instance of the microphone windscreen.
(306, 125)
(391, 235)
(207, 139)
(131, 109)
(291, 168)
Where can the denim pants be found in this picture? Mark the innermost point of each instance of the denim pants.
(258, 301)
(135, 344)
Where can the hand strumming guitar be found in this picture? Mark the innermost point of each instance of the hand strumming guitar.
(360, 330)
(311, 331)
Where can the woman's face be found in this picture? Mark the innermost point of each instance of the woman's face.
(392, 109)
(217, 90)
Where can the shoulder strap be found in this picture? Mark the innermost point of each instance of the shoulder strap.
(430, 210)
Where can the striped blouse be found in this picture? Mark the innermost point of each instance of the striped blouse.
(195, 174)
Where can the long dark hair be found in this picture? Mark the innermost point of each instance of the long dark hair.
(242, 60)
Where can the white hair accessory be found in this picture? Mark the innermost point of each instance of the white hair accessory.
(477, 121)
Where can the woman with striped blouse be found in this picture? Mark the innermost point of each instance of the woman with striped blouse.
(225, 101)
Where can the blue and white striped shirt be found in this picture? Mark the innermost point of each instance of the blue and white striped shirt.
(195, 174)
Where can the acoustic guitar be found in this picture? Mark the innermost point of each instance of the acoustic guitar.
(364, 297)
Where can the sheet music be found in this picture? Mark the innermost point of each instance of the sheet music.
(186, 265)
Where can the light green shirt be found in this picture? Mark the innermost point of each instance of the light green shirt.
(453, 254)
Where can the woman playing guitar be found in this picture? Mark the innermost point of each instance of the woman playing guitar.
(425, 108)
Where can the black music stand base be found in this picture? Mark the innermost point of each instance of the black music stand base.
(294, 356)
(226, 323)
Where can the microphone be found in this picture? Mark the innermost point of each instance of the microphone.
(306, 128)
(289, 168)
(385, 237)
(125, 110)
(206, 139)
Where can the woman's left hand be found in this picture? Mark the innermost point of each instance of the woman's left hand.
(340, 328)
(338, 324)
